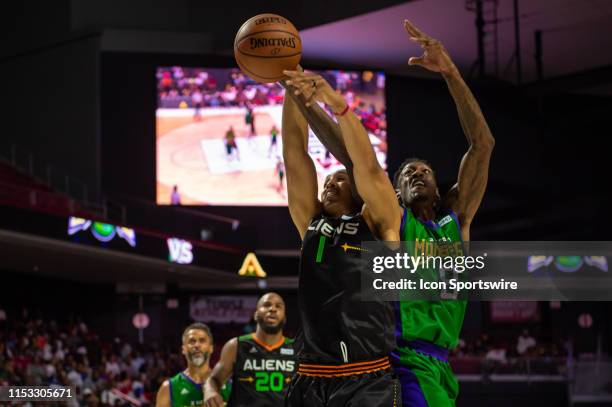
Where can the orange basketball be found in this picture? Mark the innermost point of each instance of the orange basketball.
(266, 45)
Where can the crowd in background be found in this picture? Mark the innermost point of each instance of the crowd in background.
(114, 372)
(180, 87)
(185, 87)
(518, 354)
(34, 352)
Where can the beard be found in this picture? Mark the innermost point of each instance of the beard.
(408, 197)
(198, 360)
(270, 329)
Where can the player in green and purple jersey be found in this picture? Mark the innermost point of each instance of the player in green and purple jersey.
(185, 388)
(427, 330)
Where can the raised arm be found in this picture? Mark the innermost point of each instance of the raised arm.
(466, 195)
(326, 130)
(301, 174)
(221, 372)
(372, 182)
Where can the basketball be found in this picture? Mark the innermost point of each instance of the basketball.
(266, 45)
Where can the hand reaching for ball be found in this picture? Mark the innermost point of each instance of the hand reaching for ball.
(315, 89)
(435, 57)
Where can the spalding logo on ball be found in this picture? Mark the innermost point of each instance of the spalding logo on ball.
(265, 46)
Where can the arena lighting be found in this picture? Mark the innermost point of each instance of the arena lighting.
(127, 234)
(179, 251)
(103, 232)
(585, 320)
(77, 224)
(251, 267)
(141, 320)
(566, 264)
(206, 234)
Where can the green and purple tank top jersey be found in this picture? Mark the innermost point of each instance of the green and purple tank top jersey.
(184, 392)
(437, 322)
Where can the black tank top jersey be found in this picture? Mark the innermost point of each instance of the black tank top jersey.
(262, 373)
(337, 326)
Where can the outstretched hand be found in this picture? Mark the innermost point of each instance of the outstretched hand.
(435, 57)
(315, 89)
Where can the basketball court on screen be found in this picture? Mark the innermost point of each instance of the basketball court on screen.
(192, 154)
(198, 106)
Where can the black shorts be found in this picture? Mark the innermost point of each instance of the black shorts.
(376, 389)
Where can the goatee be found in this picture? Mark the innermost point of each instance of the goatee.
(270, 329)
(199, 361)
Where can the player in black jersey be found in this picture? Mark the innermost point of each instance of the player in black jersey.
(261, 364)
(345, 342)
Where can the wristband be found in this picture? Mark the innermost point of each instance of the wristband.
(343, 112)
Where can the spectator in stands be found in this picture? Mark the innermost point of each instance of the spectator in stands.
(497, 354)
(112, 367)
(175, 197)
(229, 95)
(525, 342)
(460, 349)
(90, 398)
(33, 352)
(177, 86)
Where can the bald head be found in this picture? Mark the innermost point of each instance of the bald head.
(268, 297)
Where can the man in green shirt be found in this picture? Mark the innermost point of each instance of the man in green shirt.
(427, 330)
(186, 388)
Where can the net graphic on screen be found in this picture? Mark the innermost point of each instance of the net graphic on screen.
(219, 135)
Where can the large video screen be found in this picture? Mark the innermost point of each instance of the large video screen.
(219, 134)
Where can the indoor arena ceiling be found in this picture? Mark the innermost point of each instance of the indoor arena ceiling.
(576, 36)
